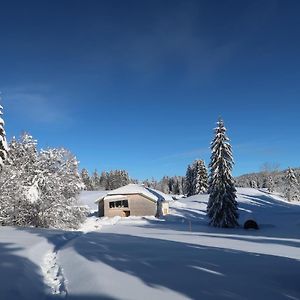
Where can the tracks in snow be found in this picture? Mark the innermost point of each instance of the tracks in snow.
(53, 274)
(51, 268)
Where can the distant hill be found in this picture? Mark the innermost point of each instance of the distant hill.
(260, 179)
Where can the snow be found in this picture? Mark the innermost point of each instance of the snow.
(21, 253)
(33, 193)
(89, 198)
(53, 275)
(115, 197)
(178, 257)
(138, 189)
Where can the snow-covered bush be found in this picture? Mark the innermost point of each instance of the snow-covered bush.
(38, 188)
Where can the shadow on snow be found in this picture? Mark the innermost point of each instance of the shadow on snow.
(195, 271)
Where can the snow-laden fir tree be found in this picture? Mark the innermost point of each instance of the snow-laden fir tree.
(176, 185)
(118, 178)
(253, 184)
(95, 181)
(196, 179)
(292, 186)
(3, 143)
(200, 177)
(270, 184)
(104, 180)
(189, 179)
(222, 204)
(165, 185)
(85, 177)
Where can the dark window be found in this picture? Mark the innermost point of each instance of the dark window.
(118, 204)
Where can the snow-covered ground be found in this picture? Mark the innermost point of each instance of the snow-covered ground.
(179, 257)
(89, 197)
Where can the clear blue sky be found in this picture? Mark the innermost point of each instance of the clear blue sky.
(139, 85)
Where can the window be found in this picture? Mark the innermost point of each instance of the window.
(118, 204)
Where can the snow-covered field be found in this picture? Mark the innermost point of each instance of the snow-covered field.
(179, 257)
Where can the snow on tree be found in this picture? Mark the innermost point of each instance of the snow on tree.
(104, 184)
(16, 179)
(196, 179)
(118, 178)
(3, 143)
(270, 184)
(39, 188)
(85, 177)
(261, 180)
(253, 184)
(189, 180)
(200, 178)
(292, 186)
(222, 204)
(164, 185)
(95, 180)
(59, 182)
(176, 185)
(108, 181)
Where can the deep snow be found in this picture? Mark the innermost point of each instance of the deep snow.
(178, 257)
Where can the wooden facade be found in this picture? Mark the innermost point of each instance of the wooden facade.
(130, 205)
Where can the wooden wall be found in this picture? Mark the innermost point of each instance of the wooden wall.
(138, 205)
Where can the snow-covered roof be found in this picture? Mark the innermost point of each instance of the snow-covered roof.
(115, 197)
(140, 189)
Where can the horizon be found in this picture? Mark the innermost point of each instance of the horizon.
(140, 86)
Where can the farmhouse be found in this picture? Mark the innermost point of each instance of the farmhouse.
(133, 200)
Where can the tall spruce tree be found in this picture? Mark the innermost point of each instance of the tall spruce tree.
(85, 177)
(3, 143)
(222, 204)
(200, 180)
(292, 186)
(189, 181)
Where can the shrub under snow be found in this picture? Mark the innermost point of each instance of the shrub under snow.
(38, 188)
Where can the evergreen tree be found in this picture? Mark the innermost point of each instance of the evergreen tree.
(176, 186)
(292, 188)
(95, 181)
(253, 184)
(270, 184)
(104, 180)
(222, 204)
(196, 179)
(200, 178)
(85, 177)
(164, 185)
(189, 177)
(123, 178)
(3, 143)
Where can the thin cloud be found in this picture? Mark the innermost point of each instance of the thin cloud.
(37, 104)
(187, 154)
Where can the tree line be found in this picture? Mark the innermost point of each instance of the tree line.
(285, 182)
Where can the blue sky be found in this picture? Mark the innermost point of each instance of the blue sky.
(139, 85)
